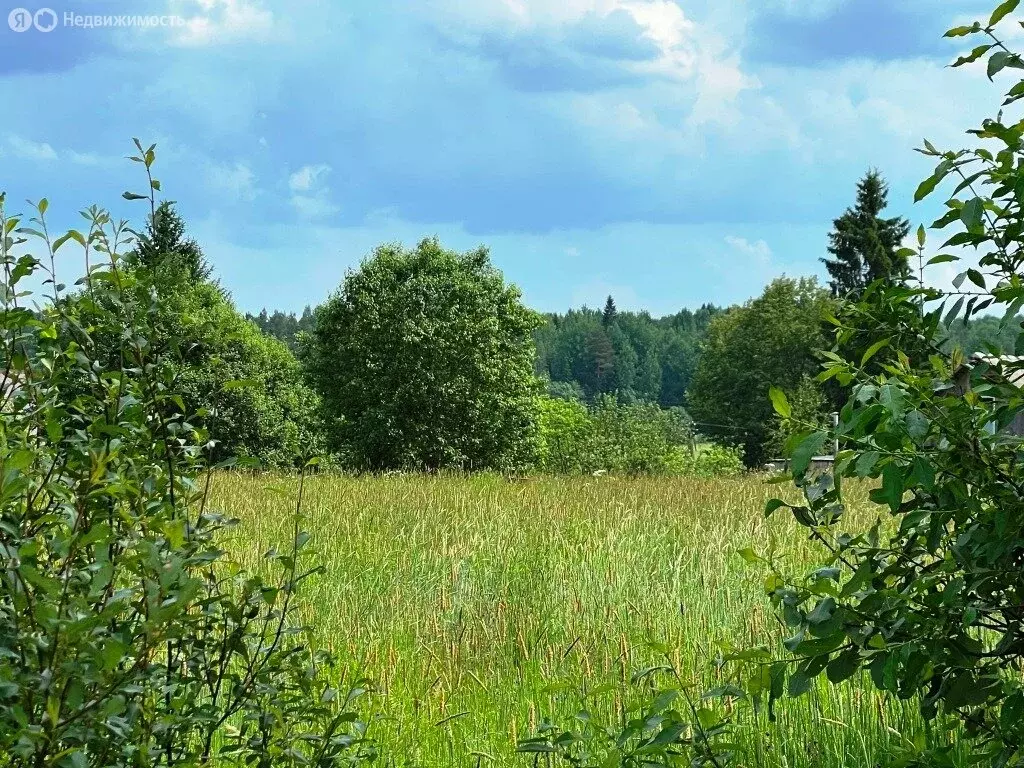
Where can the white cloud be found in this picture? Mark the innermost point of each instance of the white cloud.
(759, 250)
(313, 207)
(30, 150)
(310, 196)
(308, 177)
(221, 21)
(237, 180)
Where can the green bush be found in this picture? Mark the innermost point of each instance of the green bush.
(253, 386)
(424, 360)
(930, 600)
(706, 461)
(565, 433)
(126, 637)
(624, 438)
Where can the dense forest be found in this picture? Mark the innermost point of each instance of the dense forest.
(585, 352)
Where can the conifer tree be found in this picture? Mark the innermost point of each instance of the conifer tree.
(863, 245)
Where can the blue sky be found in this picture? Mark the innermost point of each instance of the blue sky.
(669, 152)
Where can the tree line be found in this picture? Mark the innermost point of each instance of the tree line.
(425, 358)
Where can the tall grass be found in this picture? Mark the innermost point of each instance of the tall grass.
(480, 605)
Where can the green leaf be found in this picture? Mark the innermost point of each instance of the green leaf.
(997, 62)
(780, 403)
(971, 214)
(749, 555)
(872, 351)
(772, 506)
(843, 666)
(928, 185)
(917, 424)
(961, 31)
(921, 236)
(1013, 712)
(799, 684)
(806, 451)
(973, 56)
(866, 463)
(1004, 10)
(891, 492)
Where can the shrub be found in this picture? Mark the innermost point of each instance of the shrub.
(126, 637)
(424, 359)
(565, 432)
(633, 438)
(706, 461)
(930, 602)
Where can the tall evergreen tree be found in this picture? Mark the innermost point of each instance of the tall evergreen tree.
(610, 312)
(863, 245)
(165, 239)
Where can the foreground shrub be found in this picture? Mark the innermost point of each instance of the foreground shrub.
(126, 636)
(931, 601)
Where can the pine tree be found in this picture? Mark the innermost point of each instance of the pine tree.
(165, 239)
(610, 312)
(863, 245)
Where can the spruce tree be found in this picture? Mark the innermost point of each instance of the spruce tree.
(610, 312)
(863, 245)
(164, 239)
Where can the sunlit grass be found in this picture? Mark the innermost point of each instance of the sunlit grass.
(465, 599)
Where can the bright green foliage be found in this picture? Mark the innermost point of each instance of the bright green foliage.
(771, 341)
(930, 600)
(705, 461)
(424, 359)
(564, 435)
(807, 406)
(864, 246)
(625, 438)
(672, 729)
(126, 638)
(636, 438)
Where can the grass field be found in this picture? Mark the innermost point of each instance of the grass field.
(479, 606)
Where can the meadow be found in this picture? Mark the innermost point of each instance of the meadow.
(479, 606)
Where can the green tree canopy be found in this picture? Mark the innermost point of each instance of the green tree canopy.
(424, 359)
(770, 341)
(864, 247)
(247, 387)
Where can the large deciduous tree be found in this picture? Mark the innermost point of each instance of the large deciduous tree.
(771, 341)
(424, 359)
(863, 246)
